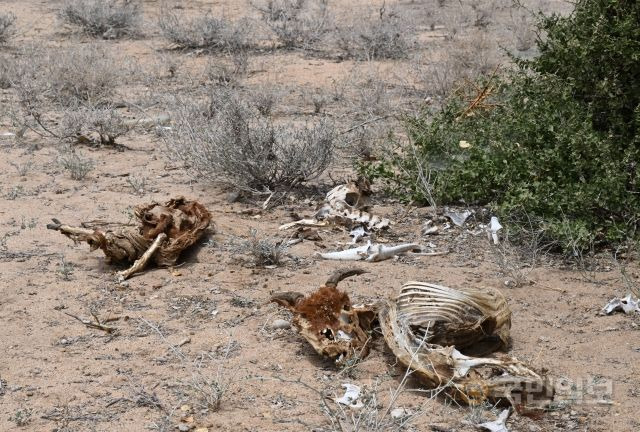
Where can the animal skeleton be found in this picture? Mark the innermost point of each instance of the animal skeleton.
(435, 331)
(347, 205)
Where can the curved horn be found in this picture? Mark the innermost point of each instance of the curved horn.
(342, 274)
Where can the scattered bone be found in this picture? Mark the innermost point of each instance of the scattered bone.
(328, 321)
(164, 231)
(498, 425)
(350, 397)
(142, 262)
(494, 227)
(304, 222)
(357, 233)
(372, 252)
(280, 324)
(428, 228)
(627, 305)
(346, 205)
(458, 217)
(398, 413)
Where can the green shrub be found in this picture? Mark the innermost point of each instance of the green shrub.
(596, 51)
(558, 138)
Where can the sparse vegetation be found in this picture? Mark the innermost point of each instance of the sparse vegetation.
(7, 28)
(382, 37)
(227, 140)
(275, 102)
(66, 95)
(22, 417)
(82, 124)
(206, 32)
(73, 162)
(264, 251)
(69, 77)
(106, 19)
(296, 23)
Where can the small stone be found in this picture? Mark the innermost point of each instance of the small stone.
(184, 428)
(280, 324)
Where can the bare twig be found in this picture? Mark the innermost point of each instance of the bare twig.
(95, 325)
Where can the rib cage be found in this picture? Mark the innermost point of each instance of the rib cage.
(459, 317)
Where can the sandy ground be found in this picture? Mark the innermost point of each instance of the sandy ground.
(181, 332)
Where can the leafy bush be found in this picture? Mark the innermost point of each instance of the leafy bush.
(206, 32)
(556, 139)
(596, 53)
(227, 140)
(107, 19)
(7, 29)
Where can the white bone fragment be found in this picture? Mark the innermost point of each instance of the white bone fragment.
(626, 305)
(370, 252)
(494, 227)
(350, 398)
(458, 217)
(498, 425)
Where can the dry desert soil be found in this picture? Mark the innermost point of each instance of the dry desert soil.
(196, 347)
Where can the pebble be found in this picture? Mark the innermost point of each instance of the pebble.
(280, 324)
(184, 428)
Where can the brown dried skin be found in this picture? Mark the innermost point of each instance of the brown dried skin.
(328, 321)
(472, 380)
(181, 220)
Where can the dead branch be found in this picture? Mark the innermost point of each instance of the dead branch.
(94, 325)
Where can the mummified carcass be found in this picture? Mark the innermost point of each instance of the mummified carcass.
(328, 321)
(164, 231)
(346, 205)
(435, 331)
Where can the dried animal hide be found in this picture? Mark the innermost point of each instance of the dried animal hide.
(328, 321)
(428, 325)
(182, 222)
(346, 205)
